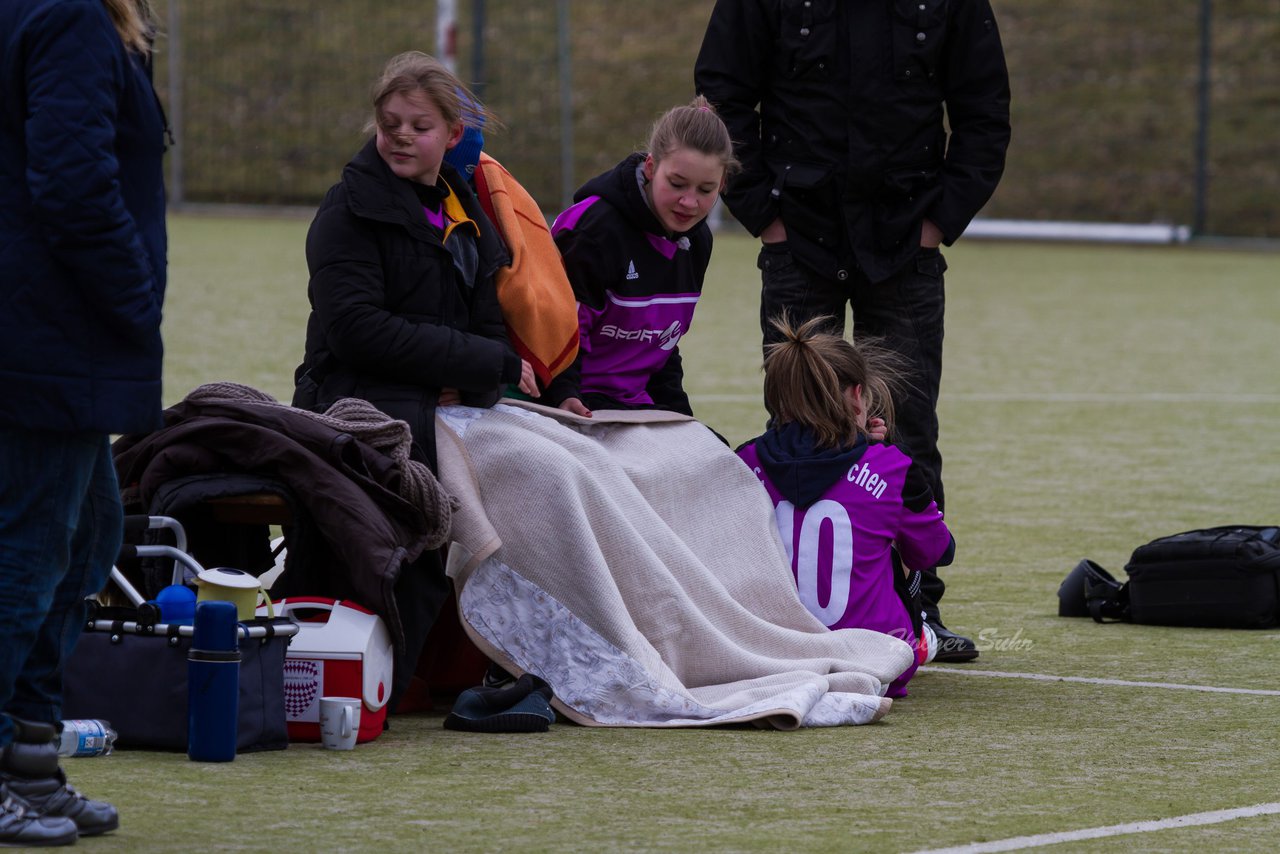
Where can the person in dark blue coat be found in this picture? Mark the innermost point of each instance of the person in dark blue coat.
(82, 277)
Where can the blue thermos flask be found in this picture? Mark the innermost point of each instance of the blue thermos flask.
(213, 683)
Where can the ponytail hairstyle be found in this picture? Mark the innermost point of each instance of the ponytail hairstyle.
(414, 71)
(135, 21)
(696, 126)
(807, 372)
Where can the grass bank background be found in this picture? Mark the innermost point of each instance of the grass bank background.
(272, 97)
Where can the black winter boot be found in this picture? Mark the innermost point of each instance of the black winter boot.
(21, 826)
(29, 769)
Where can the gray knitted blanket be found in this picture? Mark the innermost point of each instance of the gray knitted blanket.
(631, 560)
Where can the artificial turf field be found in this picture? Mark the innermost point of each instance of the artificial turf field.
(1094, 397)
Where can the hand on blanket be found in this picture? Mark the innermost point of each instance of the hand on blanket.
(528, 381)
(449, 397)
(576, 407)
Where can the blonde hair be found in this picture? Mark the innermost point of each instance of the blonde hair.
(415, 71)
(135, 21)
(806, 373)
(695, 125)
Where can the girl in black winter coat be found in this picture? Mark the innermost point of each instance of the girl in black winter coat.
(404, 311)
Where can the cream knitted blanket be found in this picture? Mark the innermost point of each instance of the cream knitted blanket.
(631, 560)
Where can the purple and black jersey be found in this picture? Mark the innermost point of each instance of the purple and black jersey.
(840, 514)
(629, 340)
(636, 287)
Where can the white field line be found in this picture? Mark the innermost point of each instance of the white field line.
(1019, 842)
(1056, 397)
(1121, 683)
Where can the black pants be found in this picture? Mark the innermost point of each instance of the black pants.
(420, 594)
(905, 313)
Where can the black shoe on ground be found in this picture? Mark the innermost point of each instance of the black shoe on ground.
(22, 826)
(52, 797)
(29, 772)
(952, 647)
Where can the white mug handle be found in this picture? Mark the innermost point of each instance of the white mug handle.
(348, 721)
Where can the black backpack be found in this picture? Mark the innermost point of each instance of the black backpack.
(1224, 577)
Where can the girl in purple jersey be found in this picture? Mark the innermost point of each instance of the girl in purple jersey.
(853, 511)
(636, 246)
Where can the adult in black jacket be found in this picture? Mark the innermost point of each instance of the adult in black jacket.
(850, 178)
(404, 310)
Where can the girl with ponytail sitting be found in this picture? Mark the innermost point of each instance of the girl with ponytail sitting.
(851, 508)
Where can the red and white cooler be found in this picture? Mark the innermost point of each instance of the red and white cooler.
(341, 650)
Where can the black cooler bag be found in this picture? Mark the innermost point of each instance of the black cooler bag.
(135, 675)
(1226, 577)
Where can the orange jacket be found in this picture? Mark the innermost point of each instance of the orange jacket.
(537, 301)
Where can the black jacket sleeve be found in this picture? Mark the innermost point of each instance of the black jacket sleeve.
(566, 384)
(75, 76)
(487, 322)
(666, 386)
(730, 72)
(977, 99)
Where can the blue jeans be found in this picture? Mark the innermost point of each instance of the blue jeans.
(905, 312)
(61, 525)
